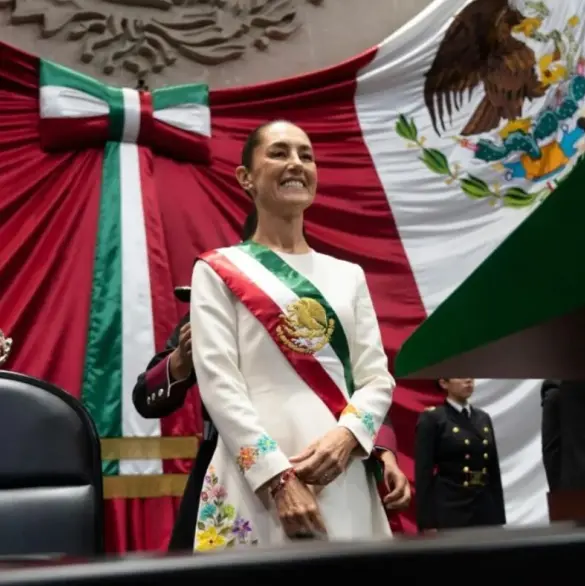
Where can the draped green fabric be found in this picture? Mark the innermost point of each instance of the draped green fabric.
(536, 275)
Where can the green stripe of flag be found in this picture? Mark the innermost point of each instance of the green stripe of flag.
(52, 74)
(183, 95)
(101, 389)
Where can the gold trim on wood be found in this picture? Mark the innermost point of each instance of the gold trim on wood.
(144, 486)
(150, 448)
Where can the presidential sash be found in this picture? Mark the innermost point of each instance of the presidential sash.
(297, 317)
(294, 313)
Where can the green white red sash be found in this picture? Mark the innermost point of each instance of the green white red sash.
(267, 286)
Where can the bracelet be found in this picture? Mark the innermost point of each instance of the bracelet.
(284, 478)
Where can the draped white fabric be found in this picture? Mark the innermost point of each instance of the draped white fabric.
(453, 208)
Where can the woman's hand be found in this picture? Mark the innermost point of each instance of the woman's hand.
(398, 496)
(324, 460)
(298, 510)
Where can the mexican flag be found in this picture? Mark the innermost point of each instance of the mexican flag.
(430, 153)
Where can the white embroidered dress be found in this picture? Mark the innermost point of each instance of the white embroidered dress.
(265, 412)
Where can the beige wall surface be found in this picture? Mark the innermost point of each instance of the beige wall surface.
(223, 42)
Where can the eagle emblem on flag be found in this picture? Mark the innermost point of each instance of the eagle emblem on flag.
(526, 132)
(479, 48)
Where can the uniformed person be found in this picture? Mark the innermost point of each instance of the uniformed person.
(457, 472)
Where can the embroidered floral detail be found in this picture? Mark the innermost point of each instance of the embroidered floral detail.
(350, 410)
(266, 445)
(248, 455)
(366, 418)
(368, 421)
(218, 526)
(241, 529)
(207, 511)
(208, 539)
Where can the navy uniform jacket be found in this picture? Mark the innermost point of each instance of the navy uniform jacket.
(457, 472)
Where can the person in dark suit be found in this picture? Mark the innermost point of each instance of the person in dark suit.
(551, 432)
(457, 471)
(161, 390)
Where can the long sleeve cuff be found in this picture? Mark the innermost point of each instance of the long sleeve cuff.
(175, 383)
(361, 424)
(160, 383)
(262, 461)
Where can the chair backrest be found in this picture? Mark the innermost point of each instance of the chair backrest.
(51, 493)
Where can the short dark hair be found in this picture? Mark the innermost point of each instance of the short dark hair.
(438, 383)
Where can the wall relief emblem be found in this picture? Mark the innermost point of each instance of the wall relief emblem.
(146, 36)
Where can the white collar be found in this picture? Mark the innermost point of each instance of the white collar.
(458, 407)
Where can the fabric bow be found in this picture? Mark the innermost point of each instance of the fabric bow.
(77, 111)
(132, 307)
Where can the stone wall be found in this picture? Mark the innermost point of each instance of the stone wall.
(224, 42)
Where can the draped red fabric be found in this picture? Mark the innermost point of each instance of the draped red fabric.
(139, 524)
(48, 220)
(49, 205)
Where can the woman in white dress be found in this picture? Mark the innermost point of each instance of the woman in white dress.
(291, 368)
